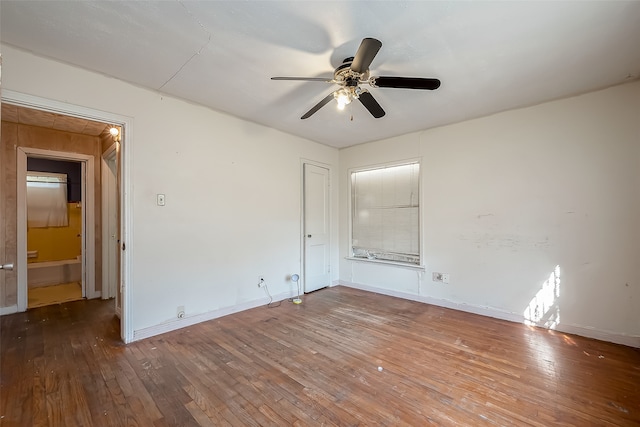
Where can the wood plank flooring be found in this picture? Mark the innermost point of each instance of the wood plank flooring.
(54, 294)
(315, 364)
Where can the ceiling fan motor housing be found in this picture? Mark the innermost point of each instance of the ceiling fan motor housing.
(344, 75)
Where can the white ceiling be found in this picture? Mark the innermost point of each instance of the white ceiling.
(490, 56)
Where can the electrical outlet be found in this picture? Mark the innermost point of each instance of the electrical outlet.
(445, 277)
(261, 281)
(436, 277)
(180, 311)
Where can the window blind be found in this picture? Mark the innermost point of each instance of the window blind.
(385, 213)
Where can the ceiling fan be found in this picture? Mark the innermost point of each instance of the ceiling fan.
(353, 72)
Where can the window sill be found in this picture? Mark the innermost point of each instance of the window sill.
(390, 263)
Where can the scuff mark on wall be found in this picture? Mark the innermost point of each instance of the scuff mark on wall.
(514, 242)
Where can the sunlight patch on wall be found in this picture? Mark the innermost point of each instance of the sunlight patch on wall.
(543, 310)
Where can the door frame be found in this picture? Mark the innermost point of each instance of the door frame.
(88, 218)
(304, 162)
(109, 198)
(125, 206)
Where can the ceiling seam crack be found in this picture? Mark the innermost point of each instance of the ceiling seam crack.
(195, 54)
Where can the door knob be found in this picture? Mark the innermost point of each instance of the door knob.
(6, 266)
(308, 235)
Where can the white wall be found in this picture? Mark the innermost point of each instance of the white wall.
(505, 199)
(508, 197)
(233, 195)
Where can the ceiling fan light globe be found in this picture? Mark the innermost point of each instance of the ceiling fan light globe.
(342, 98)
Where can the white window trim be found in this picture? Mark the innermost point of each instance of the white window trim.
(420, 265)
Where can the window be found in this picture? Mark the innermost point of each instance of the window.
(46, 199)
(385, 213)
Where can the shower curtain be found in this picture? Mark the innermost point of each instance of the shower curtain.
(46, 199)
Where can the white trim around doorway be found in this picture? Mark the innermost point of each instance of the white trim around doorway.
(88, 219)
(126, 210)
(109, 200)
(332, 263)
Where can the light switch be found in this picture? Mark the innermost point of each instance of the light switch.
(160, 199)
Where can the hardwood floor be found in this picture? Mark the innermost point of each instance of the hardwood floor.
(310, 365)
(54, 294)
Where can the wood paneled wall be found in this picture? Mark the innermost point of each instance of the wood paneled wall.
(16, 135)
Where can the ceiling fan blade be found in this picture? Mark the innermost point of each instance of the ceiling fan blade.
(405, 82)
(306, 79)
(318, 106)
(371, 104)
(364, 56)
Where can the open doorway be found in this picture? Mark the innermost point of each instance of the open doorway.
(48, 117)
(88, 220)
(55, 229)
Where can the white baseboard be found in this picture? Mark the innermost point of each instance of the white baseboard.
(628, 340)
(186, 321)
(8, 310)
(483, 311)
